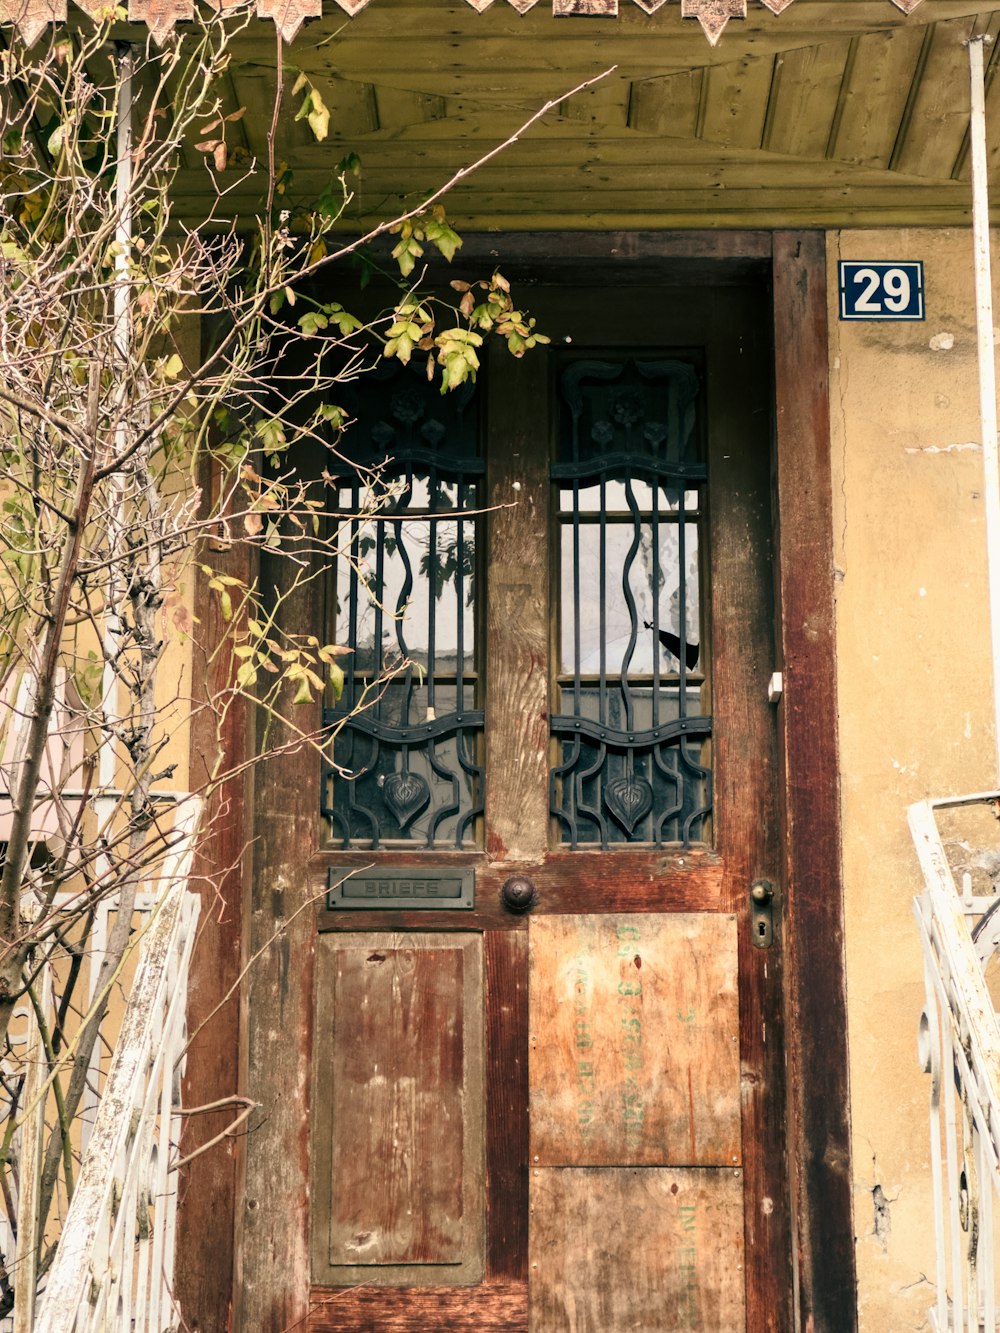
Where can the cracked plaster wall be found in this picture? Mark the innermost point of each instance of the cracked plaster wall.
(914, 699)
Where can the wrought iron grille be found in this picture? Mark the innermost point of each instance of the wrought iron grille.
(406, 764)
(633, 729)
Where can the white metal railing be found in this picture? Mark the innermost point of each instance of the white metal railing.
(960, 1048)
(114, 1259)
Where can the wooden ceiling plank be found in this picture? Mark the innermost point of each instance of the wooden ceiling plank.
(409, 158)
(939, 115)
(876, 86)
(737, 102)
(255, 90)
(352, 106)
(962, 168)
(606, 104)
(398, 109)
(935, 205)
(807, 88)
(391, 188)
(668, 106)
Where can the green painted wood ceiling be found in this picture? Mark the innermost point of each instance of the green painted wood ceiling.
(831, 113)
(836, 112)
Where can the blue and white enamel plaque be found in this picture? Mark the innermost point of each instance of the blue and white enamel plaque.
(881, 290)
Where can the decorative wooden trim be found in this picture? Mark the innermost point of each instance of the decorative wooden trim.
(819, 1149)
(30, 17)
(605, 9)
(289, 15)
(713, 15)
(160, 16)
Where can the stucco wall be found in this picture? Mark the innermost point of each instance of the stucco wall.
(914, 698)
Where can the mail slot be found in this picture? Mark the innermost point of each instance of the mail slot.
(374, 890)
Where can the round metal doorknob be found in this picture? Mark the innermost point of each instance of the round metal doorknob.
(518, 894)
(762, 891)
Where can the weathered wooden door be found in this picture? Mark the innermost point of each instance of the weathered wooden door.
(547, 1087)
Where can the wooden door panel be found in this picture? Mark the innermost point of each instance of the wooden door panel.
(634, 1049)
(493, 1307)
(398, 1109)
(636, 1250)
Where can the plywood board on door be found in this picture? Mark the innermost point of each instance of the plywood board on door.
(636, 1250)
(634, 1051)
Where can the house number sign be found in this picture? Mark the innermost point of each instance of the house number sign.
(881, 290)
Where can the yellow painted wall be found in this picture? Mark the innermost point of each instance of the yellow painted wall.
(914, 699)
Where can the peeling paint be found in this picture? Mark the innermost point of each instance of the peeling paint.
(883, 1223)
(971, 445)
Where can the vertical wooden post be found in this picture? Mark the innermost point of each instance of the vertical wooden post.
(207, 1193)
(816, 1001)
(517, 764)
(272, 1279)
(745, 796)
(517, 666)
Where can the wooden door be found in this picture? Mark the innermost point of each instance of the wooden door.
(547, 1073)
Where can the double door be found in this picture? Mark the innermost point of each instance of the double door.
(547, 1075)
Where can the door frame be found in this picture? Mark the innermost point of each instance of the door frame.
(267, 1189)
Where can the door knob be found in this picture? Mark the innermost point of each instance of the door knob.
(761, 913)
(518, 894)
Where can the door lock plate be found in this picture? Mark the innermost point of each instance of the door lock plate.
(762, 913)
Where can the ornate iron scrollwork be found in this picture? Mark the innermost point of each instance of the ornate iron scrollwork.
(406, 729)
(632, 726)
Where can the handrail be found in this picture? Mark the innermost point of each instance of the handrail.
(114, 1259)
(959, 1046)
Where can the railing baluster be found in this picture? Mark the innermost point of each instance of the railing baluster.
(126, 1175)
(960, 1049)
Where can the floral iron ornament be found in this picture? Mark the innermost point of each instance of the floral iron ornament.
(31, 17)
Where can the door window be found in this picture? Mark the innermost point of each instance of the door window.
(406, 768)
(632, 722)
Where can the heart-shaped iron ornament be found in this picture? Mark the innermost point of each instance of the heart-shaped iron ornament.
(628, 799)
(405, 794)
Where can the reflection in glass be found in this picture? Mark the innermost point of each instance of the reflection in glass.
(588, 497)
(420, 561)
(604, 623)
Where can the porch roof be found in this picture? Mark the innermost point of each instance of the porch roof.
(808, 113)
(833, 113)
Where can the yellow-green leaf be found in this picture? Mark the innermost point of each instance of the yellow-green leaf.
(336, 678)
(318, 117)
